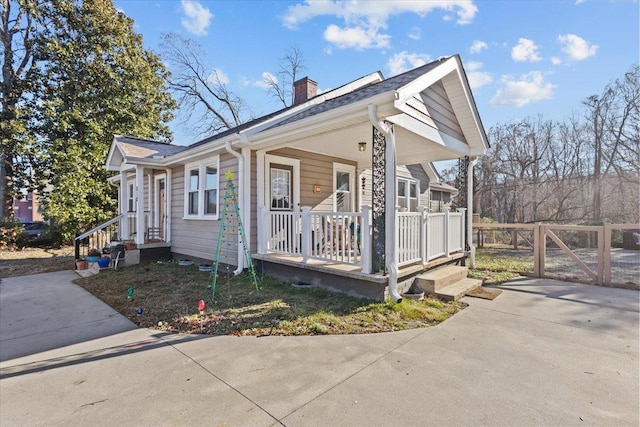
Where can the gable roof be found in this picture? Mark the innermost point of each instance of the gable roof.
(386, 85)
(358, 90)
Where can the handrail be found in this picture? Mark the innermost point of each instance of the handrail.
(99, 227)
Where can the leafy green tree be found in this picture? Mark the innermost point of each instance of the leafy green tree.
(93, 78)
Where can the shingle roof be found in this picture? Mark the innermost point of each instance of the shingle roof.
(392, 83)
(145, 148)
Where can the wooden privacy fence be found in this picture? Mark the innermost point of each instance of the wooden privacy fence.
(593, 254)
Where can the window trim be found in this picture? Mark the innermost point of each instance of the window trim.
(201, 167)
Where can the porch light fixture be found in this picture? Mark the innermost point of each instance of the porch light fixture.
(362, 146)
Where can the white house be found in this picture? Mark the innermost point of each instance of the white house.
(334, 190)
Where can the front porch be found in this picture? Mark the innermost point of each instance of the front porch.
(343, 241)
(343, 277)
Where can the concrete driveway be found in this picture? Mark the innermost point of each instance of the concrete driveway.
(543, 353)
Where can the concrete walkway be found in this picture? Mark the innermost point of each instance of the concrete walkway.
(543, 353)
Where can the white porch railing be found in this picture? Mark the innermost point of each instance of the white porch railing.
(345, 237)
(409, 237)
(331, 236)
(132, 222)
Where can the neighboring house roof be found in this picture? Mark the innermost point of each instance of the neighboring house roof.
(443, 186)
(144, 148)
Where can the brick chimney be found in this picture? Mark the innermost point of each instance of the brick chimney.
(304, 89)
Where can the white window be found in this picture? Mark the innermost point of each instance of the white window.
(201, 194)
(343, 184)
(407, 194)
(131, 197)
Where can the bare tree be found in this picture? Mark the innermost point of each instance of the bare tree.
(613, 119)
(280, 86)
(17, 29)
(200, 90)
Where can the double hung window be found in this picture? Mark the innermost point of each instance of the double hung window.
(201, 189)
(407, 195)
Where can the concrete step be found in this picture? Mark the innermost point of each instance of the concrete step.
(434, 280)
(458, 289)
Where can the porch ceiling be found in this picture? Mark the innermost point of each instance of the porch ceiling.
(411, 148)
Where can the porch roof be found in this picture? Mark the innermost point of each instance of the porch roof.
(469, 139)
(387, 85)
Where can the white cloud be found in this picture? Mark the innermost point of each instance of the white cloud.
(477, 46)
(358, 38)
(555, 60)
(218, 76)
(404, 61)
(525, 50)
(576, 47)
(579, 1)
(262, 83)
(415, 33)
(476, 77)
(529, 88)
(197, 18)
(364, 22)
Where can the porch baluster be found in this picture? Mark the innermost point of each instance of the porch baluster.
(423, 234)
(365, 239)
(306, 233)
(446, 232)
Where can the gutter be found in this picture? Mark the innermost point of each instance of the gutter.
(240, 198)
(389, 201)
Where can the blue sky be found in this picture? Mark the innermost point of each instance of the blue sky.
(523, 58)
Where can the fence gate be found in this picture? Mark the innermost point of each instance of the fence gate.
(605, 255)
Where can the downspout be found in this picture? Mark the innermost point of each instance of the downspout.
(472, 248)
(389, 201)
(240, 199)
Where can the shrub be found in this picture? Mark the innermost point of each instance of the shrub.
(11, 237)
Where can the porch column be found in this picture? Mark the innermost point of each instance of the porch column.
(472, 248)
(383, 131)
(124, 198)
(140, 206)
(378, 201)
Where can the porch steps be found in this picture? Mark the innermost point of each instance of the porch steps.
(449, 283)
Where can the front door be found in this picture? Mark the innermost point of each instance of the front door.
(282, 183)
(160, 217)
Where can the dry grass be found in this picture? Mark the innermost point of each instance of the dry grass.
(35, 261)
(168, 295)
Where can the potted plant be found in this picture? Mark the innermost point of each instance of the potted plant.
(81, 264)
(104, 262)
(93, 255)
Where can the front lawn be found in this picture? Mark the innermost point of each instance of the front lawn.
(35, 261)
(166, 295)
